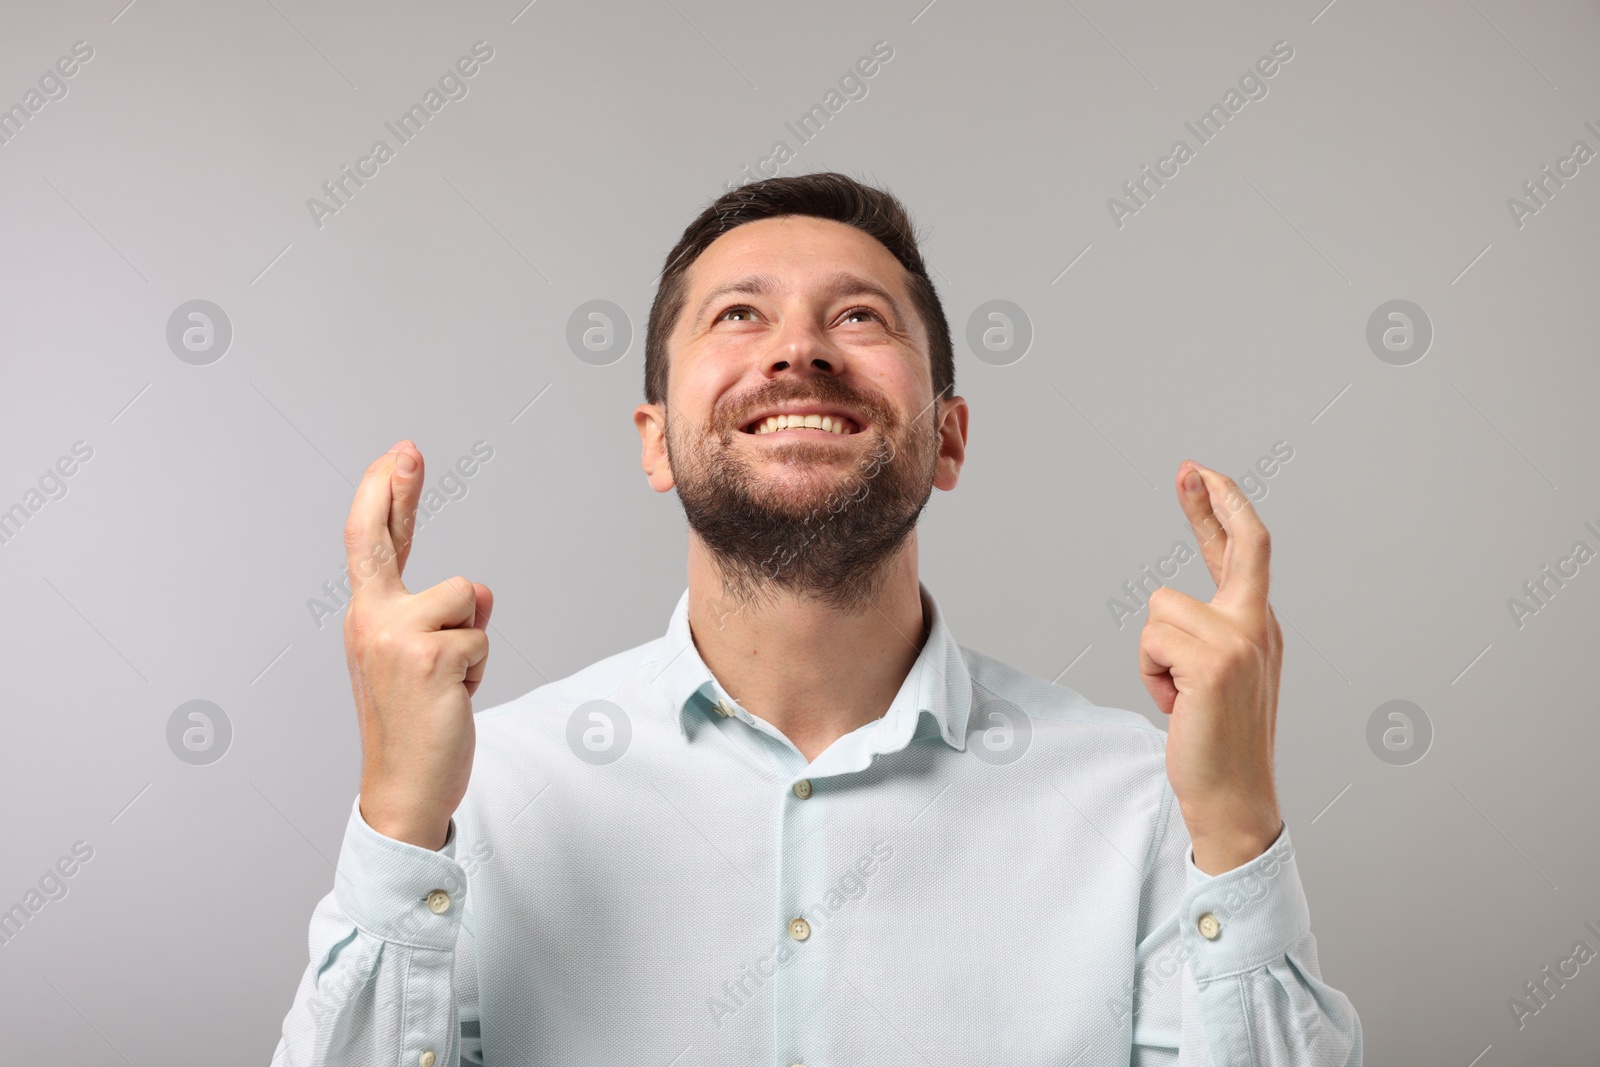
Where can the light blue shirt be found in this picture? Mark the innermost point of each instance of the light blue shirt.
(642, 872)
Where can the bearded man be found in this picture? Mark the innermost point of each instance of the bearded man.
(805, 826)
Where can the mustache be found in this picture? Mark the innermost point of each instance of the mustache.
(822, 391)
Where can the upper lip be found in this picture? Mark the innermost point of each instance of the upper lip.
(807, 409)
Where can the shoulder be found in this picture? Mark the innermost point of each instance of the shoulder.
(1108, 763)
(1056, 712)
(547, 707)
(557, 733)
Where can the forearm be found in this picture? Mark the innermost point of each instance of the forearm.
(1227, 974)
(379, 987)
(1253, 994)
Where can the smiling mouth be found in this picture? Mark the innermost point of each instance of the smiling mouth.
(804, 425)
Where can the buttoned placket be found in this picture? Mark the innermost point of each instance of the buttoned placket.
(799, 1017)
(796, 987)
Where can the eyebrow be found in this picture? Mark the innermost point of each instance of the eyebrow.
(840, 284)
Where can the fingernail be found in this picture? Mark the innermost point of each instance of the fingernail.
(1192, 481)
(406, 463)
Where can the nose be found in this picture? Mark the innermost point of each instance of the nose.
(816, 364)
(804, 347)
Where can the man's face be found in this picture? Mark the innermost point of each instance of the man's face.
(807, 316)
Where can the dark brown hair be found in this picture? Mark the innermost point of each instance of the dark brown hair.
(827, 195)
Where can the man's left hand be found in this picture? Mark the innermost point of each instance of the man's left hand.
(1214, 668)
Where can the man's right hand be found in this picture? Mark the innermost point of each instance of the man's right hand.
(415, 661)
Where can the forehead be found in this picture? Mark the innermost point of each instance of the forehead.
(796, 248)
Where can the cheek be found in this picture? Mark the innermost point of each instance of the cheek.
(908, 368)
(902, 386)
(729, 347)
(693, 394)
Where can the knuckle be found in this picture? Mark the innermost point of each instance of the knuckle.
(426, 655)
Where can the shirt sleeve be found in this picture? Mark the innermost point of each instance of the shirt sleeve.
(1226, 971)
(392, 976)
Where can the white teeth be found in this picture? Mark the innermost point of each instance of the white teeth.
(815, 422)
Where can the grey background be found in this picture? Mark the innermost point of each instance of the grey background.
(1229, 314)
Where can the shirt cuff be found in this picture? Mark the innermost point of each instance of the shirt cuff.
(400, 892)
(1241, 919)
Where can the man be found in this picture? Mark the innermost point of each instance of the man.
(805, 826)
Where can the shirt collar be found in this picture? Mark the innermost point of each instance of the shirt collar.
(938, 685)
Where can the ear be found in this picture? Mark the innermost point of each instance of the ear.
(651, 419)
(952, 442)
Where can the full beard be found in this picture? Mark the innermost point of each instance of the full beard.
(821, 534)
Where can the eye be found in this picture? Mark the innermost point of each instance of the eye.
(866, 311)
(741, 308)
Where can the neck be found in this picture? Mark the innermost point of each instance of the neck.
(813, 670)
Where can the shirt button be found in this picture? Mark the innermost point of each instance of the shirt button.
(802, 789)
(1209, 927)
(799, 929)
(426, 1059)
(438, 902)
(724, 708)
